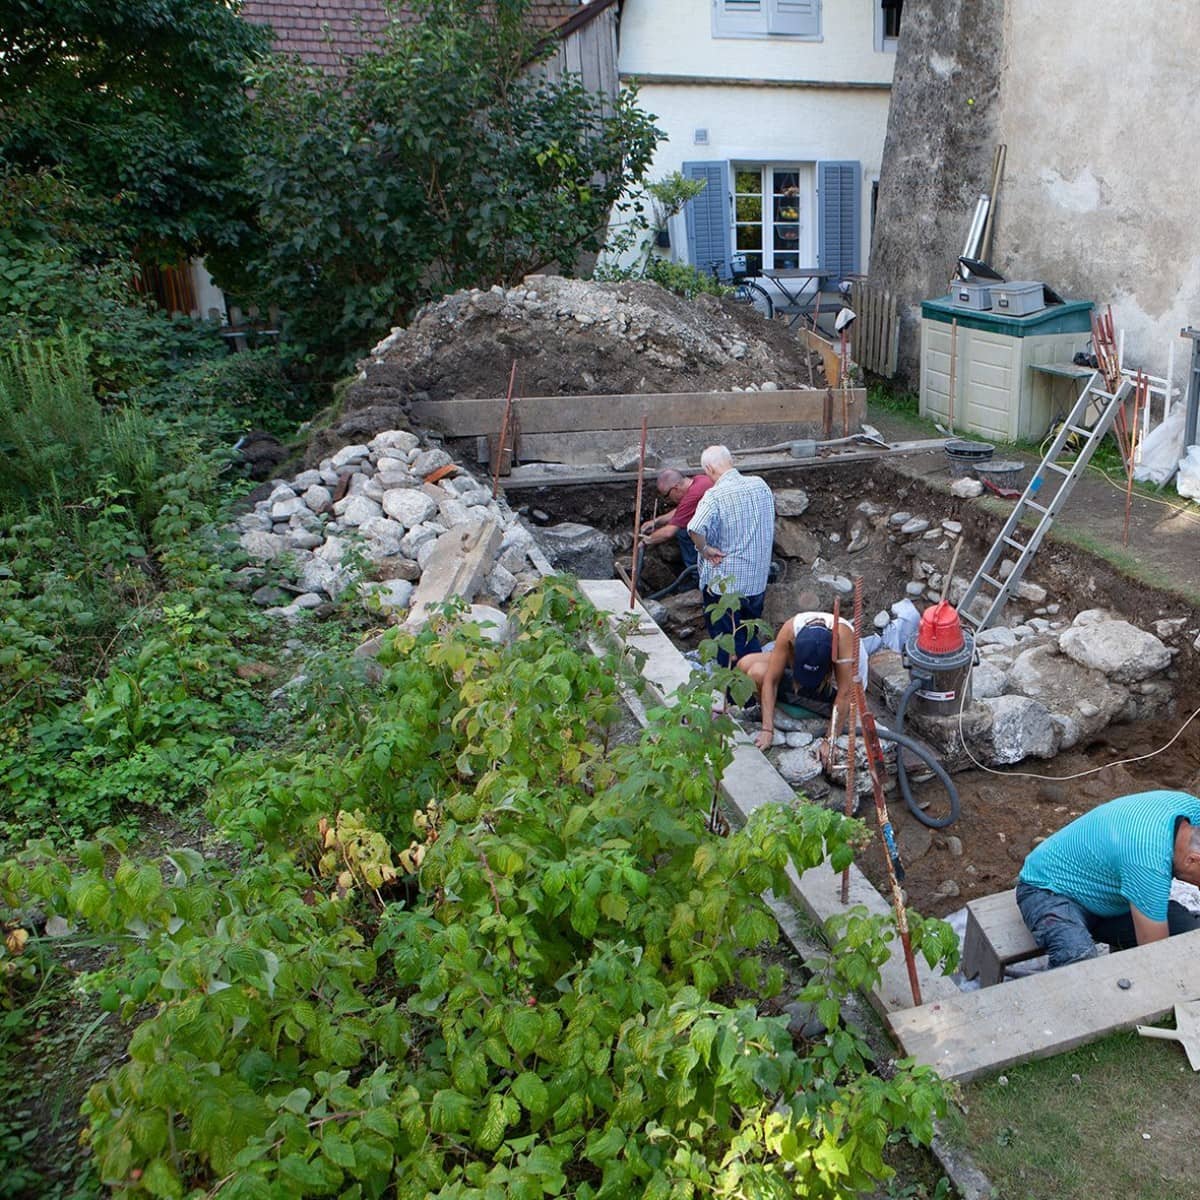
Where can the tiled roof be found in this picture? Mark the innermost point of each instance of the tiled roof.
(301, 27)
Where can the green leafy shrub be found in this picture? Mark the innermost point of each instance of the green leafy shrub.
(683, 279)
(487, 950)
(432, 163)
(263, 388)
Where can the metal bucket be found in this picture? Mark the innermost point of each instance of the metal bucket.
(949, 686)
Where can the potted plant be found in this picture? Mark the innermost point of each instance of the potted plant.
(668, 197)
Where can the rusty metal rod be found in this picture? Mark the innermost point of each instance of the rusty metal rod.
(637, 517)
(512, 380)
(891, 855)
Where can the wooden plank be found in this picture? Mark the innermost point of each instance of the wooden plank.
(1000, 918)
(577, 414)
(973, 1033)
(832, 366)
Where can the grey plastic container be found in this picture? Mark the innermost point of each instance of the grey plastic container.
(972, 295)
(964, 456)
(1018, 299)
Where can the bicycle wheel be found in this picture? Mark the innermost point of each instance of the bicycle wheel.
(758, 297)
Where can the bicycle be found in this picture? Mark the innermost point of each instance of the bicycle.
(744, 289)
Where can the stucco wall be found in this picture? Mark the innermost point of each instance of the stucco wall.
(748, 119)
(1098, 109)
(676, 37)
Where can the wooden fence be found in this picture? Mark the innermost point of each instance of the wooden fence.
(875, 336)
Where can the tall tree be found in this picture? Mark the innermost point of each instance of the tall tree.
(139, 105)
(436, 162)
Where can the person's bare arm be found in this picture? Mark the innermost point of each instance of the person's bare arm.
(1145, 929)
(781, 655)
(843, 682)
(661, 533)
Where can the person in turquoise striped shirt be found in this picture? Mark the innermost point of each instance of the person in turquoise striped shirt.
(1106, 877)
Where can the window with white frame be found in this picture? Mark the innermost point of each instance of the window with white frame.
(767, 18)
(772, 215)
(887, 24)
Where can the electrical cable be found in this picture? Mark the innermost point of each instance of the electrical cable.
(1057, 778)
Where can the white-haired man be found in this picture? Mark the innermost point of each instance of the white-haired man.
(733, 529)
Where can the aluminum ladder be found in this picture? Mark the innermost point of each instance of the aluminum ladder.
(1039, 498)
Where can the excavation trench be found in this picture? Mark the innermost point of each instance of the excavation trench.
(1003, 811)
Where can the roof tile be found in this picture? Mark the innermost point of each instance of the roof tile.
(353, 23)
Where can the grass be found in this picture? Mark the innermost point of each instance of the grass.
(1110, 1121)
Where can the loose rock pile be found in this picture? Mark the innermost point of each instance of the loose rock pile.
(371, 516)
(568, 337)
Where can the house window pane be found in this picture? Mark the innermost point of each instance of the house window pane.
(785, 212)
(748, 217)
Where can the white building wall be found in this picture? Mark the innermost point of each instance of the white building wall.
(676, 37)
(1099, 191)
(736, 90)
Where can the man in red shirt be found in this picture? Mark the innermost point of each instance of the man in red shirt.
(684, 494)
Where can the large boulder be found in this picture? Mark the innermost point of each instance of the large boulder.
(1120, 650)
(792, 540)
(790, 502)
(1088, 700)
(1021, 728)
(580, 550)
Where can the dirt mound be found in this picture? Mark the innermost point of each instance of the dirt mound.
(570, 337)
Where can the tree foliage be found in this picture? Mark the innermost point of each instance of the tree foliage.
(435, 162)
(137, 104)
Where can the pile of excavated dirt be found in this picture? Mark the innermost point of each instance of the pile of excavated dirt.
(568, 337)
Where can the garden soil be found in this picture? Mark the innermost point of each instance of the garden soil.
(566, 337)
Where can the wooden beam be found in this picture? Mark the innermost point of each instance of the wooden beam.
(974, 1033)
(831, 361)
(578, 414)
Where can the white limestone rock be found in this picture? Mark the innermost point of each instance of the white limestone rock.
(966, 489)
(416, 537)
(429, 461)
(394, 440)
(987, 681)
(409, 506)
(499, 584)
(791, 502)
(283, 508)
(318, 498)
(1120, 650)
(261, 546)
(392, 595)
(1021, 728)
(358, 510)
(350, 454)
(383, 537)
(798, 766)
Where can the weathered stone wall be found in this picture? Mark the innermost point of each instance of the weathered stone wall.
(1097, 107)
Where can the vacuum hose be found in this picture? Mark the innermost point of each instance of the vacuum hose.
(890, 735)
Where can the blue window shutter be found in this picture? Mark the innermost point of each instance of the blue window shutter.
(799, 18)
(708, 216)
(839, 201)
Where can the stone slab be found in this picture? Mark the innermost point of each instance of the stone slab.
(461, 561)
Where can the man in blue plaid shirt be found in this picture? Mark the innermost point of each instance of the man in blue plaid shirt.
(734, 529)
